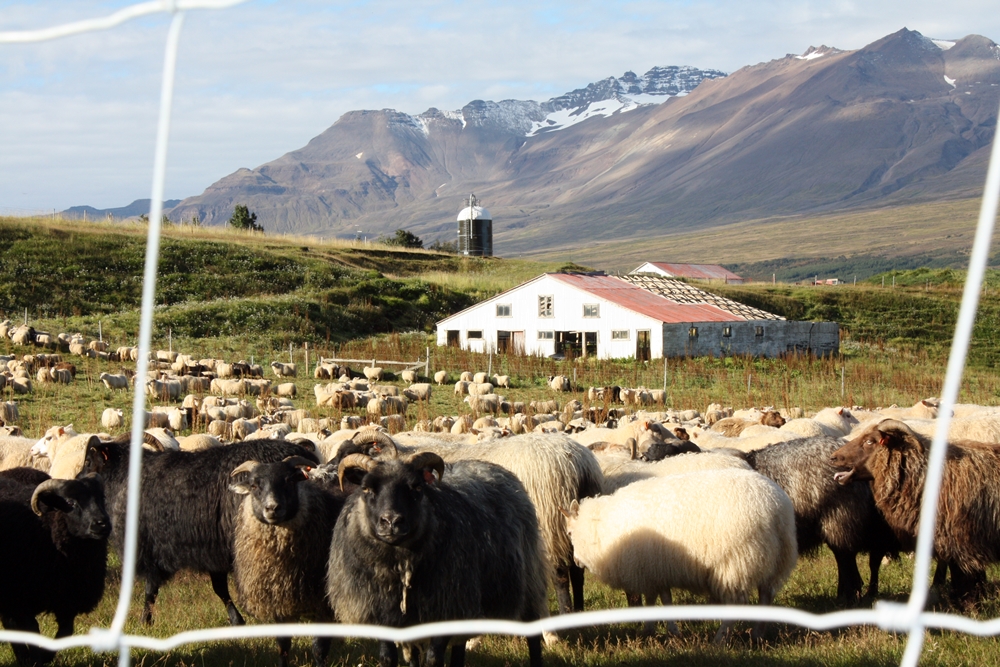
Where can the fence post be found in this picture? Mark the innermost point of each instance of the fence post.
(170, 340)
(489, 369)
(842, 383)
(427, 362)
(305, 346)
(100, 333)
(664, 374)
(291, 360)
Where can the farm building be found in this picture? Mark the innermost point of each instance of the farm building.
(710, 273)
(646, 317)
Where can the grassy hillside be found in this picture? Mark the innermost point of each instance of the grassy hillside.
(215, 283)
(841, 245)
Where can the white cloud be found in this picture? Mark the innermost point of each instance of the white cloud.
(77, 115)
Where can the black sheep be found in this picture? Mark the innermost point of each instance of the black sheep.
(421, 542)
(53, 556)
(842, 517)
(187, 512)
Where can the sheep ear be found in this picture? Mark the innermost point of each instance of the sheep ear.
(241, 488)
(573, 511)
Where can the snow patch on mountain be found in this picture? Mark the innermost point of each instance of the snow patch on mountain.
(943, 44)
(603, 98)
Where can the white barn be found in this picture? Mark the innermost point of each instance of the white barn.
(582, 314)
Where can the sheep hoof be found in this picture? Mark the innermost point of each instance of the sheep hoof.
(551, 638)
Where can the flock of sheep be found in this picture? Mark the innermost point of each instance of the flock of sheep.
(364, 520)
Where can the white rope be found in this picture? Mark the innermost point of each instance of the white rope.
(119, 17)
(888, 616)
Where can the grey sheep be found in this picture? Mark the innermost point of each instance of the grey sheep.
(425, 542)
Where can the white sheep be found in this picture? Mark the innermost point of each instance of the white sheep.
(462, 388)
(114, 381)
(441, 377)
(408, 376)
(480, 389)
(480, 378)
(287, 389)
(418, 392)
(16, 452)
(559, 383)
(465, 376)
(724, 533)
(373, 373)
(502, 381)
(198, 441)
(619, 473)
(283, 370)
(111, 419)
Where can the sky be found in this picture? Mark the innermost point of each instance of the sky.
(255, 81)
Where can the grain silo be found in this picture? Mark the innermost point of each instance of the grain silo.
(475, 230)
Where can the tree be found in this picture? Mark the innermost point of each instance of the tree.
(243, 219)
(450, 247)
(403, 239)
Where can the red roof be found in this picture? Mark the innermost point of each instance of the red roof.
(642, 301)
(697, 271)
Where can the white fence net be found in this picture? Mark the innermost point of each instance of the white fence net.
(910, 618)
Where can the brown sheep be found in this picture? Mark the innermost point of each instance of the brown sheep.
(772, 418)
(894, 458)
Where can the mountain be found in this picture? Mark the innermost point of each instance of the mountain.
(136, 208)
(902, 120)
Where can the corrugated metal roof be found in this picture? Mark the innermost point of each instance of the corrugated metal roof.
(682, 292)
(645, 302)
(697, 271)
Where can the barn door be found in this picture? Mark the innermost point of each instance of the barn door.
(518, 337)
(642, 346)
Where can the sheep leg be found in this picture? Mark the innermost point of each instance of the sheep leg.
(152, 589)
(27, 655)
(874, 564)
(562, 589)
(667, 598)
(437, 650)
(534, 651)
(388, 655)
(576, 579)
(457, 654)
(849, 583)
(284, 648)
(220, 584)
(64, 625)
(321, 649)
(940, 573)
(757, 631)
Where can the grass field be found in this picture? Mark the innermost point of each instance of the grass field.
(931, 231)
(236, 296)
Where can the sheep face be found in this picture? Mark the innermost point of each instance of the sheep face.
(394, 499)
(81, 503)
(272, 487)
(889, 435)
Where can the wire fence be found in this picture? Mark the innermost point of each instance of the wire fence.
(910, 617)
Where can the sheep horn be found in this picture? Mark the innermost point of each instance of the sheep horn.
(428, 460)
(299, 462)
(376, 437)
(246, 466)
(150, 439)
(362, 461)
(633, 448)
(49, 485)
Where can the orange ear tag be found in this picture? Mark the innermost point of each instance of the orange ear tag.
(429, 476)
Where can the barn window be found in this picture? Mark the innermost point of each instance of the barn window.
(545, 306)
(619, 334)
(693, 332)
(546, 335)
(727, 331)
(591, 310)
(474, 334)
(759, 332)
(503, 310)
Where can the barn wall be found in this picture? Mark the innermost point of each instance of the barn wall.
(568, 305)
(778, 337)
